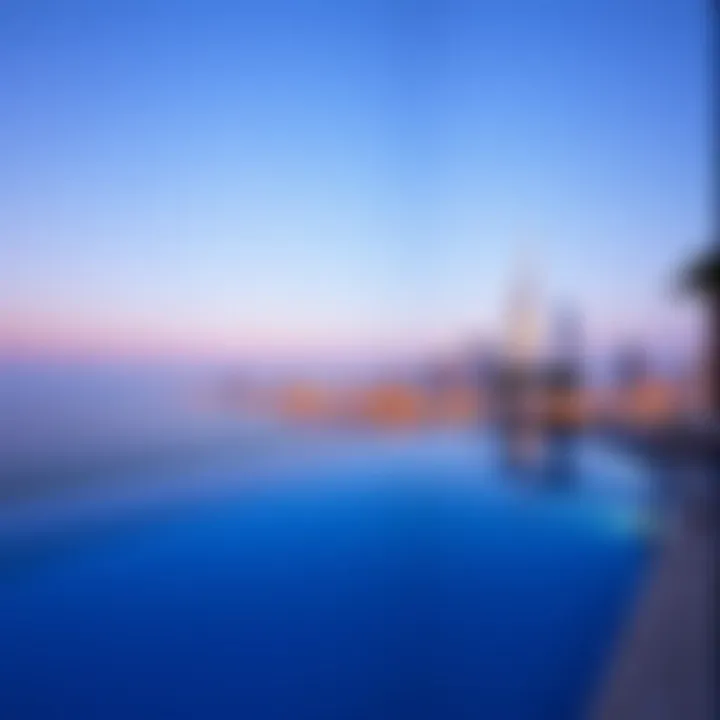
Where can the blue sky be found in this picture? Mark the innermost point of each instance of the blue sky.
(279, 173)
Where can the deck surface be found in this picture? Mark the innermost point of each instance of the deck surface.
(664, 670)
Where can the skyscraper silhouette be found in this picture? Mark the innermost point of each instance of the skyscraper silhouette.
(516, 384)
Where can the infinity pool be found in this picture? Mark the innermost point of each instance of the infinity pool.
(411, 580)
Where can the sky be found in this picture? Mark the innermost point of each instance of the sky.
(273, 176)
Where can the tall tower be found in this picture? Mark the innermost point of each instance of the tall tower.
(518, 398)
(522, 326)
(567, 337)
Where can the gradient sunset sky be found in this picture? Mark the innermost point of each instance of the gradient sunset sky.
(259, 175)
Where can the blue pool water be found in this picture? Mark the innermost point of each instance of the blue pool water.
(388, 585)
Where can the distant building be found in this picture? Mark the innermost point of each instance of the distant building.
(631, 366)
(521, 346)
(564, 409)
(567, 338)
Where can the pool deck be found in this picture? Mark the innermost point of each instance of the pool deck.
(664, 667)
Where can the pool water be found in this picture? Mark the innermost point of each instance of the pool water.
(391, 585)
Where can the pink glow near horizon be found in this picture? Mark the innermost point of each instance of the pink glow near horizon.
(35, 335)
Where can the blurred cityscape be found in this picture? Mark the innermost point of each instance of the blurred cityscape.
(291, 428)
(629, 390)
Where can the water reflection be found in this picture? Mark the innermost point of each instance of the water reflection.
(562, 459)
